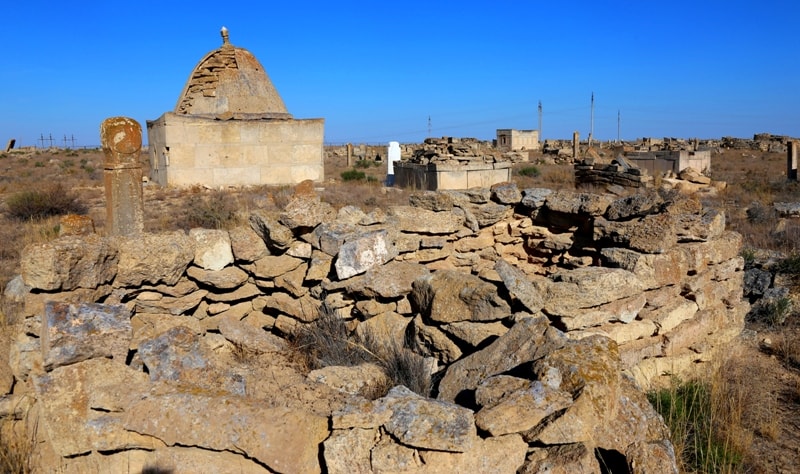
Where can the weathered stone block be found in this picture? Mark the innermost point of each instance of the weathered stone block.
(68, 263)
(212, 248)
(72, 333)
(362, 252)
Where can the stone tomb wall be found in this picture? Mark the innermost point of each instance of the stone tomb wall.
(187, 150)
(544, 313)
(438, 176)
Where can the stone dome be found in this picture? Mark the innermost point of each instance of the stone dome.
(230, 83)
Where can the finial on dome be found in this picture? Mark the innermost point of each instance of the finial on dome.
(224, 33)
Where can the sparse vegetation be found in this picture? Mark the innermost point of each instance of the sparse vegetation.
(16, 449)
(530, 171)
(50, 201)
(353, 175)
(777, 311)
(364, 164)
(328, 342)
(790, 265)
(216, 210)
(689, 411)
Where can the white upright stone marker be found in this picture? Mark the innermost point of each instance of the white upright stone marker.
(394, 155)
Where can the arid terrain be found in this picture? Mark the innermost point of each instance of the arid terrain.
(761, 375)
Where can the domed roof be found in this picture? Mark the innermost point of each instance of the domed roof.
(230, 83)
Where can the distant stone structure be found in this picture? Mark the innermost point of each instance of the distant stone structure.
(450, 163)
(509, 139)
(231, 127)
(121, 139)
(674, 161)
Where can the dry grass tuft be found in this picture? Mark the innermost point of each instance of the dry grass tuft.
(327, 341)
(38, 203)
(212, 210)
(713, 422)
(16, 448)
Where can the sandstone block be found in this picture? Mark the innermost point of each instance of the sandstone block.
(212, 248)
(153, 258)
(529, 291)
(224, 279)
(522, 410)
(430, 341)
(72, 333)
(528, 340)
(283, 439)
(68, 263)
(422, 221)
(272, 266)
(82, 407)
(430, 424)
(362, 252)
(391, 280)
(306, 212)
(247, 245)
(274, 234)
(506, 193)
(589, 287)
(448, 296)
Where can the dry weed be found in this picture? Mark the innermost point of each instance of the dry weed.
(713, 423)
(786, 347)
(328, 341)
(16, 448)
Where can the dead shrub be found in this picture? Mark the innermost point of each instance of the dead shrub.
(16, 448)
(787, 348)
(327, 341)
(51, 201)
(215, 210)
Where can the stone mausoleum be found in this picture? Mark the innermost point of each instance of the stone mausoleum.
(231, 127)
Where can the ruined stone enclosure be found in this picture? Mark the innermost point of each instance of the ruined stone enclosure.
(542, 313)
(231, 127)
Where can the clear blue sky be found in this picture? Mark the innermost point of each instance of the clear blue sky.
(377, 70)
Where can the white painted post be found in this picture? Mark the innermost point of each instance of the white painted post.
(393, 154)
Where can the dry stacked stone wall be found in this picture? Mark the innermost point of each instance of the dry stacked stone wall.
(560, 304)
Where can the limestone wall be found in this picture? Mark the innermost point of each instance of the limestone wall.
(585, 293)
(186, 150)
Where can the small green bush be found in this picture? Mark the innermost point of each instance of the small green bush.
(529, 171)
(51, 201)
(790, 265)
(749, 256)
(353, 175)
(364, 164)
(67, 164)
(39, 164)
(778, 310)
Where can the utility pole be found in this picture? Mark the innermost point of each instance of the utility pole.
(41, 139)
(540, 120)
(618, 120)
(429, 126)
(591, 126)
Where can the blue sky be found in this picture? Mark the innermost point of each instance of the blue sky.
(377, 70)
